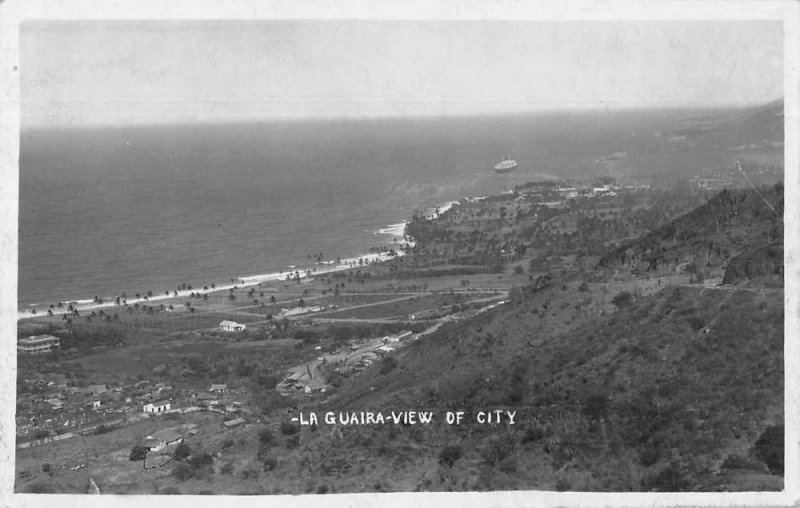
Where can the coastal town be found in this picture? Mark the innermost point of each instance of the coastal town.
(204, 368)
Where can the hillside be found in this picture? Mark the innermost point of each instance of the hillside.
(617, 384)
(707, 238)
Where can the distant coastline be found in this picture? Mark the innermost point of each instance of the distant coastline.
(396, 231)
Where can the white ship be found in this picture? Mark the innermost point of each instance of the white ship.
(505, 166)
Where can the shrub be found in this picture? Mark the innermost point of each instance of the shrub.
(322, 489)
(138, 452)
(450, 454)
(293, 442)
(199, 460)
(47, 468)
(181, 451)
(499, 450)
(248, 474)
(649, 455)
(336, 379)
(623, 299)
(508, 465)
(289, 428)
(563, 484)
(388, 364)
(41, 488)
(672, 478)
(596, 407)
(269, 382)
(532, 434)
(269, 463)
(734, 461)
(182, 471)
(227, 443)
(769, 449)
(519, 270)
(265, 436)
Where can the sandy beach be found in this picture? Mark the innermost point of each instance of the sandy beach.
(240, 282)
(397, 231)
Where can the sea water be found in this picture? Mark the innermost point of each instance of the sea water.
(107, 210)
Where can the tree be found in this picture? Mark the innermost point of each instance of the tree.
(769, 448)
(623, 299)
(182, 471)
(265, 436)
(450, 454)
(138, 452)
(289, 428)
(181, 451)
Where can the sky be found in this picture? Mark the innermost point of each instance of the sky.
(79, 73)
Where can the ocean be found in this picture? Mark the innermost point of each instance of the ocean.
(107, 210)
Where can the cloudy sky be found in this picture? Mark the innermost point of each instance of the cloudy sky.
(138, 72)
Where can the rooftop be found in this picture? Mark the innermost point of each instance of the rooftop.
(38, 339)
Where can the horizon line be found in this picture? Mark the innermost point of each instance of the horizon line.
(285, 119)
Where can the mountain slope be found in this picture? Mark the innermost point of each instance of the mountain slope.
(613, 388)
(709, 236)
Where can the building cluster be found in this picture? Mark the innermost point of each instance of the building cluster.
(57, 407)
(723, 178)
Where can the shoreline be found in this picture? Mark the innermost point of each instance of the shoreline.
(240, 282)
(396, 230)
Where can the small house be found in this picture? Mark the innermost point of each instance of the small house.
(37, 344)
(55, 404)
(233, 423)
(96, 389)
(218, 388)
(231, 326)
(158, 406)
(162, 439)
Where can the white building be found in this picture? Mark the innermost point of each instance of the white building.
(158, 406)
(162, 439)
(218, 388)
(231, 326)
(37, 344)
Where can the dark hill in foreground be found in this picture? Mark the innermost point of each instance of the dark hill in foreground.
(617, 384)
